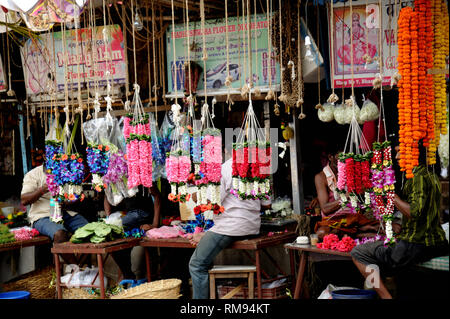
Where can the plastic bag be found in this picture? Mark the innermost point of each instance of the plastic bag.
(166, 132)
(369, 111)
(158, 154)
(106, 132)
(326, 294)
(326, 113)
(114, 219)
(349, 111)
(339, 114)
(77, 278)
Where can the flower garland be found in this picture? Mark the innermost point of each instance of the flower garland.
(51, 149)
(250, 170)
(404, 86)
(354, 178)
(69, 174)
(178, 166)
(210, 172)
(97, 157)
(440, 50)
(117, 171)
(139, 151)
(383, 180)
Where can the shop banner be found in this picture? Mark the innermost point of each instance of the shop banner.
(216, 64)
(45, 56)
(3, 86)
(366, 22)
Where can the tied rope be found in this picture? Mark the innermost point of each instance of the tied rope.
(107, 42)
(66, 93)
(257, 91)
(10, 90)
(79, 109)
(249, 51)
(382, 112)
(244, 89)
(154, 65)
(229, 79)
(150, 102)
(282, 97)
(270, 94)
(333, 98)
(127, 87)
(190, 98)
(175, 106)
(204, 58)
(299, 66)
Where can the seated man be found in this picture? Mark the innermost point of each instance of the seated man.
(35, 193)
(240, 219)
(336, 219)
(141, 212)
(421, 237)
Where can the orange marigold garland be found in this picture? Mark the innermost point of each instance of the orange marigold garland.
(404, 85)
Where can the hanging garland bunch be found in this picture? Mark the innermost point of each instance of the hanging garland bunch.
(69, 173)
(440, 51)
(251, 161)
(52, 148)
(383, 179)
(97, 157)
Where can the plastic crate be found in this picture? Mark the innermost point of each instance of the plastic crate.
(267, 293)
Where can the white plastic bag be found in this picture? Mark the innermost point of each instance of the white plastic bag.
(76, 278)
(369, 111)
(326, 113)
(114, 219)
(339, 114)
(351, 111)
(326, 294)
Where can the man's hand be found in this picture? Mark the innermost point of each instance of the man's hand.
(196, 238)
(44, 189)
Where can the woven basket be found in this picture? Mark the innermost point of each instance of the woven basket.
(77, 293)
(37, 283)
(161, 289)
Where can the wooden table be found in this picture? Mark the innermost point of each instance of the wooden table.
(84, 249)
(257, 244)
(306, 251)
(36, 241)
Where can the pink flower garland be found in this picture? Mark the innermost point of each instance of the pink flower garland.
(342, 176)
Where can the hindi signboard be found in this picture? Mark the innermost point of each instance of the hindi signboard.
(85, 62)
(366, 22)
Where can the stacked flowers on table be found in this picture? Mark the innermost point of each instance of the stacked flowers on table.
(331, 241)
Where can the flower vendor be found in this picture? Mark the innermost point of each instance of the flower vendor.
(35, 192)
(421, 237)
(141, 212)
(240, 219)
(335, 218)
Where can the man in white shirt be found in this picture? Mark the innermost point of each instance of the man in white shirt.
(240, 219)
(35, 193)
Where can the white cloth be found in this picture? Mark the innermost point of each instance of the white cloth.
(241, 217)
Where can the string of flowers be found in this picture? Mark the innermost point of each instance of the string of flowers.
(139, 151)
(117, 171)
(383, 180)
(97, 158)
(178, 166)
(69, 175)
(404, 104)
(332, 242)
(51, 149)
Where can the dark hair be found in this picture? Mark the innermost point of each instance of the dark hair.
(333, 147)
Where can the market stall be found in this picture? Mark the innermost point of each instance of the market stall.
(138, 127)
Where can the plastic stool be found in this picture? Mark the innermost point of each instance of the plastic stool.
(229, 271)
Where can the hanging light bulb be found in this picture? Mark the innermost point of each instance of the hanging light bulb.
(137, 20)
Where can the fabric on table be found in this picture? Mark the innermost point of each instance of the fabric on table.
(437, 263)
(164, 232)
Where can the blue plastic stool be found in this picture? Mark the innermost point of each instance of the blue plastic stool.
(15, 295)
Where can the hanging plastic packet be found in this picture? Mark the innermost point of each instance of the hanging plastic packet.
(369, 111)
(339, 114)
(326, 112)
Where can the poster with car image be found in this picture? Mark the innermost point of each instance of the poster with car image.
(216, 65)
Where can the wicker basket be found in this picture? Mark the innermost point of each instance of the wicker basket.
(77, 293)
(161, 289)
(37, 283)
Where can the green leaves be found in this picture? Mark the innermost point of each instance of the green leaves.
(97, 232)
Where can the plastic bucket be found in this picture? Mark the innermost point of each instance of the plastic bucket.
(15, 295)
(353, 294)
